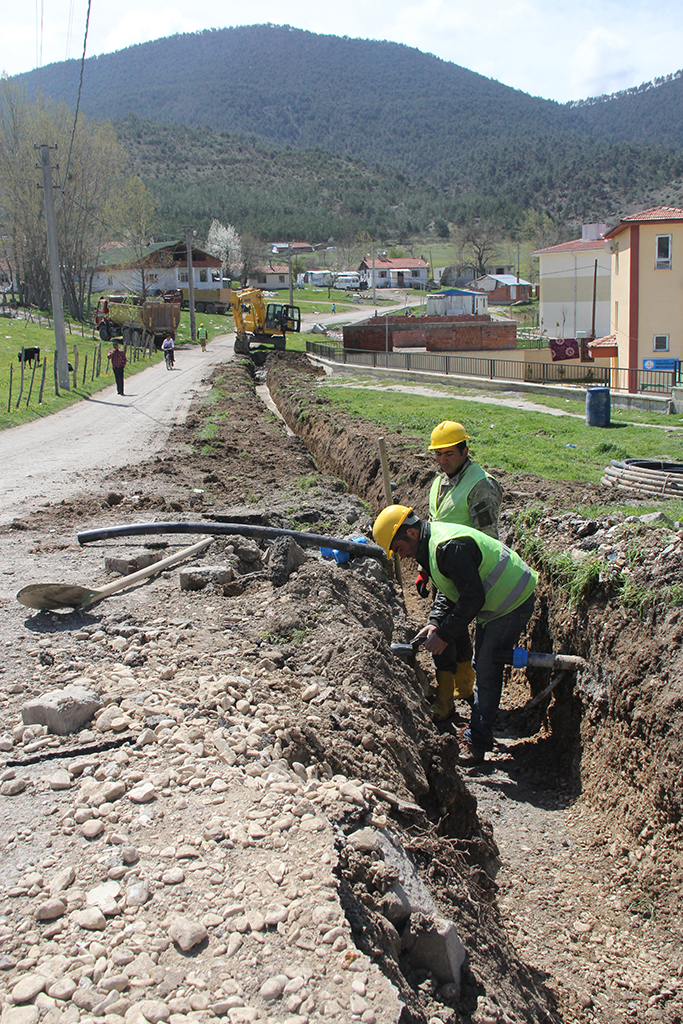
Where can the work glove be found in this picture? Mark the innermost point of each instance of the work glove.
(422, 584)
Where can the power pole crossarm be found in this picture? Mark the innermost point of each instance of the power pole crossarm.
(55, 276)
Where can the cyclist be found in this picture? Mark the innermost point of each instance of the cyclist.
(168, 348)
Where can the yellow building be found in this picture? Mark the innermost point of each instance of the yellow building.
(646, 321)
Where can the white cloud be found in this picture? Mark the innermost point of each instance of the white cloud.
(140, 24)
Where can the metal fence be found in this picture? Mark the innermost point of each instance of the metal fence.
(451, 364)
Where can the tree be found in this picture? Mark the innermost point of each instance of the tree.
(478, 244)
(135, 217)
(224, 242)
(87, 177)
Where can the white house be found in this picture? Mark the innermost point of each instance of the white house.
(271, 277)
(164, 266)
(396, 272)
(568, 282)
(455, 301)
(503, 288)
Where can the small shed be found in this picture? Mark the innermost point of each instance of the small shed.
(457, 301)
(503, 288)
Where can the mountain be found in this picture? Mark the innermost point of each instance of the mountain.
(417, 139)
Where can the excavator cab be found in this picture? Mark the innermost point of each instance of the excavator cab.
(255, 321)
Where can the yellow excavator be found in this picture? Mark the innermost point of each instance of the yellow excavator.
(263, 324)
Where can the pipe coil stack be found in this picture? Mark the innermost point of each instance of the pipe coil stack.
(654, 479)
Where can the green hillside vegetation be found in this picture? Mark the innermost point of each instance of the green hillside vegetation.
(467, 146)
(651, 113)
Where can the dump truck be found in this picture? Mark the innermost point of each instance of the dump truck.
(206, 300)
(136, 320)
(260, 323)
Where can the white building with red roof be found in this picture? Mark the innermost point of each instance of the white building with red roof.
(574, 276)
(394, 272)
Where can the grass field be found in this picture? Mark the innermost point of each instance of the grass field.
(554, 447)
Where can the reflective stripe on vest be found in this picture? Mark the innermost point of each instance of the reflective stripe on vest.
(500, 569)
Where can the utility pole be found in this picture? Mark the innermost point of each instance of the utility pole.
(291, 283)
(190, 282)
(374, 275)
(55, 277)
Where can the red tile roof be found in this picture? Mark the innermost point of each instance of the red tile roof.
(656, 214)
(579, 243)
(608, 341)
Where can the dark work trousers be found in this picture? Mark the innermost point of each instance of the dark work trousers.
(118, 377)
(496, 636)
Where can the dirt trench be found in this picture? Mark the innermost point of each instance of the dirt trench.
(606, 749)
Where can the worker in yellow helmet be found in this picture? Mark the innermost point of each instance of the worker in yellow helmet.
(462, 493)
(202, 336)
(477, 578)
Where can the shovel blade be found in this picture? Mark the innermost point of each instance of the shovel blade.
(48, 597)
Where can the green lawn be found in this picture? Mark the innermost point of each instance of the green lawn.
(554, 447)
(16, 333)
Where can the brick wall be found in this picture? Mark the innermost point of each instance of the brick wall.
(434, 333)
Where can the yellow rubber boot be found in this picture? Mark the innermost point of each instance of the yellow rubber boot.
(464, 681)
(443, 707)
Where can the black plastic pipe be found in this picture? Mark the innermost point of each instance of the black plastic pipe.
(265, 532)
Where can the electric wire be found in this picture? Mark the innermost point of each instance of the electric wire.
(78, 98)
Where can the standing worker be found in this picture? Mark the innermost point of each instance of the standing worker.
(202, 336)
(465, 494)
(477, 577)
(118, 360)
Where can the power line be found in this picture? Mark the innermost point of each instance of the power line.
(78, 98)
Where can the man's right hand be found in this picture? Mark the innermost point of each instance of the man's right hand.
(422, 584)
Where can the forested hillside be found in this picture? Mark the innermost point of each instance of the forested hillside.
(318, 135)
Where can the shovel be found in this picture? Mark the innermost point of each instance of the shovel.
(50, 596)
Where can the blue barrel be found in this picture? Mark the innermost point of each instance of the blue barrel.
(597, 407)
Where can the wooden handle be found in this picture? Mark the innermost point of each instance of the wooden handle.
(150, 570)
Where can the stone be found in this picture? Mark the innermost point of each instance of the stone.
(137, 894)
(62, 711)
(153, 1010)
(12, 787)
(27, 988)
(187, 933)
(51, 909)
(436, 947)
(272, 988)
(20, 1014)
(143, 793)
(104, 896)
(60, 779)
(92, 919)
(174, 876)
(197, 577)
(63, 988)
(62, 880)
(92, 829)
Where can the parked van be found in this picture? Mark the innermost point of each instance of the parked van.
(320, 278)
(348, 281)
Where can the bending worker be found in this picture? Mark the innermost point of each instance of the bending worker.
(462, 493)
(477, 577)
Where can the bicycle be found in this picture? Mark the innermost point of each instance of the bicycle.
(168, 356)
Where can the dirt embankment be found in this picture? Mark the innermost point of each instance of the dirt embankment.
(619, 732)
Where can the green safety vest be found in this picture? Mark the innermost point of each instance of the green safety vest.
(202, 333)
(453, 507)
(508, 581)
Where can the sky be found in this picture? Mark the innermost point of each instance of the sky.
(551, 48)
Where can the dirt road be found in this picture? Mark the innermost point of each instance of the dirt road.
(55, 456)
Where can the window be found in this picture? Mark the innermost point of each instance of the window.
(183, 276)
(261, 278)
(414, 273)
(382, 273)
(152, 278)
(202, 276)
(661, 343)
(663, 253)
(282, 278)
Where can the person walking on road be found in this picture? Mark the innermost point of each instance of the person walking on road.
(118, 360)
(463, 493)
(477, 578)
(202, 336)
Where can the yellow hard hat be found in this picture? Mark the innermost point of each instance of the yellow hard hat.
(448, 434)
(387, 523)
